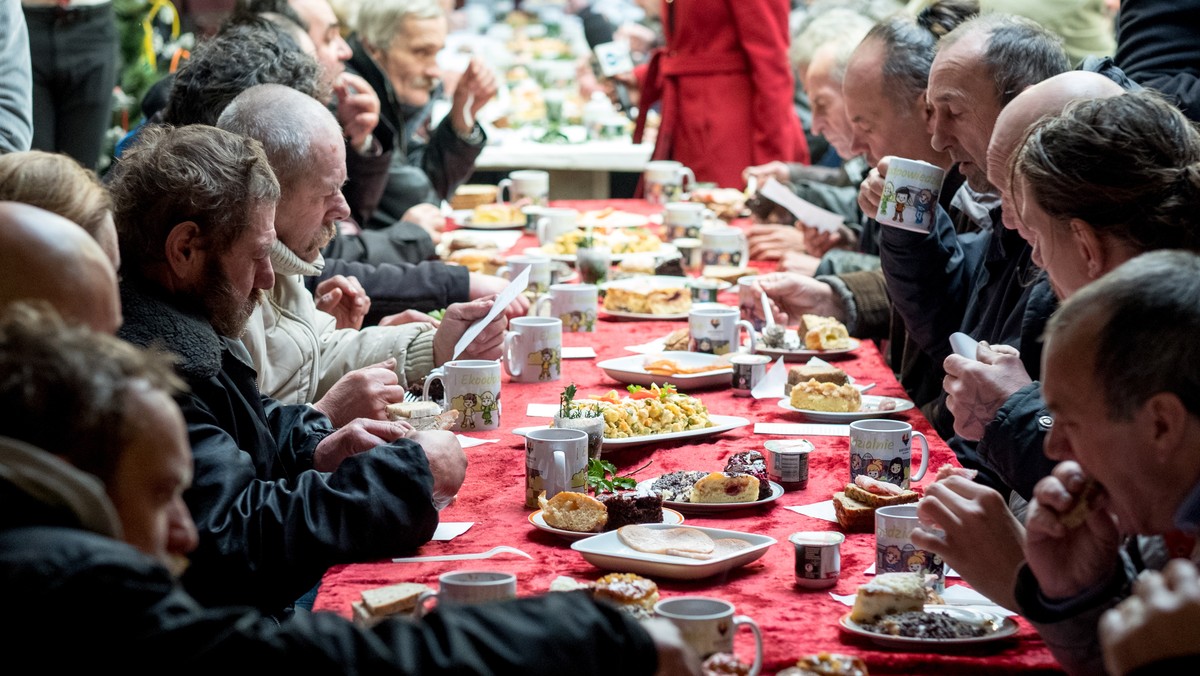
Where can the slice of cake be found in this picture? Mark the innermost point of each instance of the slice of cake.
(888, 593)
(821, 374)
(625, 300)
(827, 337)
(627, 508)
(669, 301)
(677, 486)
(754, 464)
(724, 487)
(574, 511)
(816, 396)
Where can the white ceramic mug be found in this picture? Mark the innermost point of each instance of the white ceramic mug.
(684, 219)
(473, 389)
(894, 550)
(664, 180)
(689, 250)
(533, 349)
(910, 194)
(467, 587)
(882, 449)
(708, 625)
(574, 304)
(750, 301)
(539, 271)
(531, 185)
(723, 245)
(714, 329)
(555, 461)
(554, 222)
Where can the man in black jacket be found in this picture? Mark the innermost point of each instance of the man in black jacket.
(279, 496)
(92, 474)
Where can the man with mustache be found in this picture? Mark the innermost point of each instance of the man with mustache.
(278, 495)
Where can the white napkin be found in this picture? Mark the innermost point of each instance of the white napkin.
(448, 530)
(510, 292)
(817, 510)
(468, 442)
(807, 429)
(656, 345)
(807, 212)
(582, 352)
(541, 410)
(772, 384)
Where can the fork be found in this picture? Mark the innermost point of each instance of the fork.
(464, 557)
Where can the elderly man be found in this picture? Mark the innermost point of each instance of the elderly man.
(47, 258)
(97, 452)
(298, 352)
(395, 49)
(1127, 433)
(278, 495)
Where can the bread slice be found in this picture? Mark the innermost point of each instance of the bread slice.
(392, 599)
(821, 374)
(888, 593)
(413, 409)
(853, 516)
(874, 500)
(574, 512)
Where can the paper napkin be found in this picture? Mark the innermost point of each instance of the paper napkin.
(448, 530)
(772, 384)
(817, 510)
(541, 410)
(807, 212)
(510, 292)
(468, 442)
(581, 352)
(656, 345)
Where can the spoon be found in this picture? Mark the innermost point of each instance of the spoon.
(766, 306)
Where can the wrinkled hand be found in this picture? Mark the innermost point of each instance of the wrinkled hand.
(474, 89)
(357, 108)
(409, 317)
(354, 438)
(1068, 561)
(980, 538)
(819, 242)
(1160, 620)
(799, 263)
(345, 299)
(769, 242)
(975, 390)
(675, 656)
(774, 169)
(458, 318)
(447, 463)
(487, 286)
(871, 190)
(429, 217)
(362, 393)
(792, 295)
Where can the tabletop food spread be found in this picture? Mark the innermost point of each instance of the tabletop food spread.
(696, 509)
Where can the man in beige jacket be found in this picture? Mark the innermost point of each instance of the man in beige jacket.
(300, 354)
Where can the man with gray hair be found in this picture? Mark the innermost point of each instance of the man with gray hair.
(395, 50)
(299, 353)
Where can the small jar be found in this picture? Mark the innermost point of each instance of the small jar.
(818, 558)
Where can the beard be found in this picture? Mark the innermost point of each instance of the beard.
(224, 307)
(323, 238)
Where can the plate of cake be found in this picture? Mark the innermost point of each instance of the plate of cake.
(677, 552)
(816, 336)
(743, 483)
(576, 515)
(648, 297)
(492, 216)
(807, 402)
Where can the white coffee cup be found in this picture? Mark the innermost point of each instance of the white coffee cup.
(708, 625)
(910, 195)
(894, 550)
(684, 219)
(469, 587)
(664, 180)
(553, 222)
(689, 250)
(723, 245)
(533, 349)
(539, 271)
(750, 301)
(473, 389)
(555, 460)
(574, 304)
(531, 185)
(714, 329)
(882, 449)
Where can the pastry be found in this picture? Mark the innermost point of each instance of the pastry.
(627, 589)
(670, 301)
(817, 396)
(620, 299)
(827, 664)
(724, 487)
(827, 336)
(677, 341)
(496, 214)
(574, 512)
(724, 664)
(821, 374)
(888, 593)
(471, 195)
(754, 464)
(626, 508)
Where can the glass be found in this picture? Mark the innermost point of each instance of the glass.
(554, 119)
(593, 264)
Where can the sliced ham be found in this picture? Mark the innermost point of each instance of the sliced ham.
(946, 471)
(876, 486)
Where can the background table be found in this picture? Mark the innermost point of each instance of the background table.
(577, 170)
(794, 621)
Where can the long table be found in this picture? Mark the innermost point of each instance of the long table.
(794, 621)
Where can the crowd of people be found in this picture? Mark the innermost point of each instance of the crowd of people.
(197, 351)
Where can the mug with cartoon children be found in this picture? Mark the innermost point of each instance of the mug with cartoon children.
(910, 193)
(894, 550)
(664, 181)
(539, 271)
(882, 449)
(715, 329)
(574, 304)
(723, 245)
(532, 349)
(473, 389)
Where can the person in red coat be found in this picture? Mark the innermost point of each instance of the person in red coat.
(725, 87)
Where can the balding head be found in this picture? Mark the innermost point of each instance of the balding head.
(46, 257)
(1046, 98)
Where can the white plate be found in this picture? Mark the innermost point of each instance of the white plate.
(649, 283)
(664, 251)
(630, 370)
(869, 410)
(1004, 627)
(713, 507)
(615, 219)
(608, 552)
(465, 218)
(804, 355)
(721, 423)
(642, 315)
(670, 517)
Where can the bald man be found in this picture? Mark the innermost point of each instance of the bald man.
(46, 257)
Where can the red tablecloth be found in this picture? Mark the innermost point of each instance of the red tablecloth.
(794, 621)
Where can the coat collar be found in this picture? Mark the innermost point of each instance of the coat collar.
(152, 318)
(287, 263)
(74, 497)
